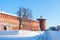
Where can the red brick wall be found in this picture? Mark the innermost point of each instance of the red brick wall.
(43, 24)
(13, 23)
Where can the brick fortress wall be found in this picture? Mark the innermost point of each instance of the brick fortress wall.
(12, 23)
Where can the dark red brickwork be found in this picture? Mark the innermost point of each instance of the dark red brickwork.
(12, 23)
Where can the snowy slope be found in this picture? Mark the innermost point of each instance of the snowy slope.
(26, 33)
(50, 35)
(55, 35)
(30, 35)
(20, 33)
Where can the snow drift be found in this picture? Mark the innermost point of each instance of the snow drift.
(30, 35)
(54, 35)
(50, 35)
(20, 33)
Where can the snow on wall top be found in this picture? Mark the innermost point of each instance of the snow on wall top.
(7, 13)
(15, 15)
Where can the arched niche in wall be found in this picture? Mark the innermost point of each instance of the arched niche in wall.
(5, 28)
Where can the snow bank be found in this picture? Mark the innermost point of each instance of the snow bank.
(20, 33)
(55, 35)
(8, 32)
(26, 33)
(50, 35)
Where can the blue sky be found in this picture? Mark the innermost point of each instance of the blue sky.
(50, 9)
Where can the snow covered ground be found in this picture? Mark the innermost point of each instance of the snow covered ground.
(50, 35)
(20, 33)
(54, 35)
(29, 35)
(26, 33)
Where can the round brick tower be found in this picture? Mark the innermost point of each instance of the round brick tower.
(42, 23)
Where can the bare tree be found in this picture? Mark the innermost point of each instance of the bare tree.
(27, 13)
(23, 13)
(19, 16)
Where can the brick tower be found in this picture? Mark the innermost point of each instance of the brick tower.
(42, 23)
